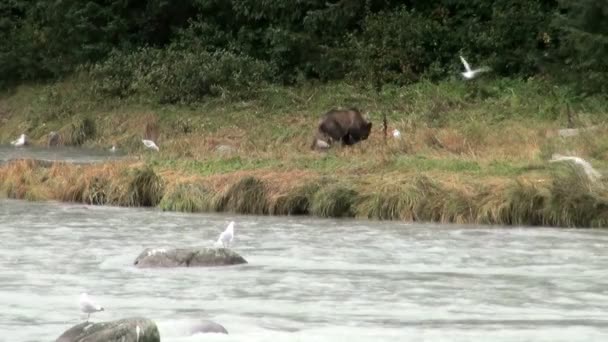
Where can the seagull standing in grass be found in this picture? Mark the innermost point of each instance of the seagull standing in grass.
(227, 236)
(470, 74)
(322, 144)
(88, 306)
(589, 170)
(150, 144)
(396, 134)
(20, 142)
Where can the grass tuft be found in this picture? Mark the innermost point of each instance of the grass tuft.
(246, 196)
(81, 131)
(144, 188)
(334, 200)
(297, 201)
(187, 197)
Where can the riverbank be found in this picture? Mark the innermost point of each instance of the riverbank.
(469, 153)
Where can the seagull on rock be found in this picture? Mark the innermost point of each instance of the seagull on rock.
(226, 237)
(88, 306)
(470, 74)
(150, 144)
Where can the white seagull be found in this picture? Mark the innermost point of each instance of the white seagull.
(20, 142)
(88, 306)
(589, 170)
(150, 144)
(396, 134)
(322, 144)
(227, 236)
(469, 74)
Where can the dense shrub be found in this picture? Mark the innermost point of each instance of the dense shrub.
(185, 50)
(583, 44)
(172, 75)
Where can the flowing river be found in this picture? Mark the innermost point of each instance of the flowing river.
(307, 279)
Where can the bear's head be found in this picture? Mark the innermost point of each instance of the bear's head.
(365, 130)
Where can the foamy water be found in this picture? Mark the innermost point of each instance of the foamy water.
(307, 279)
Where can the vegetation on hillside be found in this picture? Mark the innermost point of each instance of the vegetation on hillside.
(231, 91)
(184, 51)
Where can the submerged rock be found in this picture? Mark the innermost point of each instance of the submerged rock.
(189, 327)
(135, 329)
(206, 326)
(188, 257)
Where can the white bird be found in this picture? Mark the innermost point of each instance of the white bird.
(469, 74)
(88, 306)
(113, 149)
(150, 144)
(322, 144)
(396, 133)
(227, 236)
(137, 330)
(589, 170)
(20, 142)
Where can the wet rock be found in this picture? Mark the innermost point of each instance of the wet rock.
(205, 326)
(54, 139)
(135, 329)
(188, 257)
(189, 327)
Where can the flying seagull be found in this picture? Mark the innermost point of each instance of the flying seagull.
(470, 74)
(227, 236)
(150, 144)
(589, 170)
(88, 306)
(20, 142)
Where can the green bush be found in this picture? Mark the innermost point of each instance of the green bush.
(583, 44)
(173, 75)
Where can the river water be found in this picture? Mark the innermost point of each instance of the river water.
(60, 153)
(307, 279)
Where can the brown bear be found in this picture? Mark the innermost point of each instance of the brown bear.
(345, 125)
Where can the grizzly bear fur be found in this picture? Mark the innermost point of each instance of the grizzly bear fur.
(345, 125)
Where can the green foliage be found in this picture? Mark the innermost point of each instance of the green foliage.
(583, 44)
(172, 75)
(187, 50)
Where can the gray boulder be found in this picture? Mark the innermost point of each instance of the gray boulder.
(54, 139)
(188, 257)
(135, 329)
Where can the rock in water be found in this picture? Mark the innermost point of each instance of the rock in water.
(205, 326)
(125, 330)
(188, 257)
